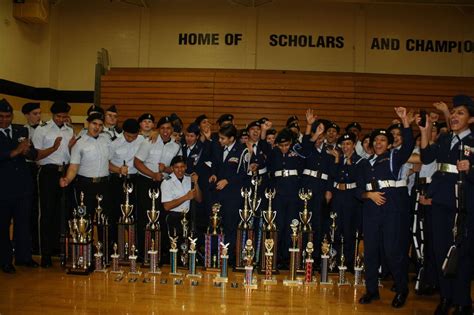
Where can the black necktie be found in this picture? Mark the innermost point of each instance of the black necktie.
(7, 132)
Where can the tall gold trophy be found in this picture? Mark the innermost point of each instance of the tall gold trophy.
(101, 230)
(269, 232)
(213, 238)
(294, 251)
(244, 230)
(126, 227)
(152, 230)
(305, 233)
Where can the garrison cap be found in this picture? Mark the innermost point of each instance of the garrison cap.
(146, 116)
(29, 107)
(5, 107)
(60, 107)
(131, 126)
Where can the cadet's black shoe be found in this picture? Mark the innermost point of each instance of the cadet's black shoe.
(443, 307)
(8, 268)
(399, 299)
(462, 310)
(46, 262)
(30, 263)
(368, 298)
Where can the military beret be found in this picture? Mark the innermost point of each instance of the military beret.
(60, 107)
(395, 126)
(294, 124)
(291, 119)
(271, 131)
(225, 117)
(112, 109)
(178, 159)
(263, 120)
(464, 100)
(243, 133)
(95, 109)
(29, 107)
(199, 119)
(5, 107)
(347, 136)
(254, 123)
(334, 125)
(174, 117)
(146, 116)
(163, 120)
(131, 126)
(94, 116)
(383, 132)
(193, 128)
(354, 125)
(284, 136)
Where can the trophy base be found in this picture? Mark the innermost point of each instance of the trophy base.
(101, 271)
(221, 279)
(136, 273)
(359, 285)
(344, 284)
(153, 273)
(211, 270)
(329, 283)
(292, 283)
(239, 269)
(116, 272)
(250, 286)
(176, 274)
(78, 272)
(272, 281)
(194, 275)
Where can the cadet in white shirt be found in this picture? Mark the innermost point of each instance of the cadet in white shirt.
(153, 163)
(110, 123)
(53, 141)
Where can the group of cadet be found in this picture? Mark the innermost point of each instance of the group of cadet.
(372, 182)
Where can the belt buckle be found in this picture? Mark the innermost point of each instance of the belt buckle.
(444, 167)
(285, 173)
(95, 180)
(341, 186)
(60, 168)
(374, 184)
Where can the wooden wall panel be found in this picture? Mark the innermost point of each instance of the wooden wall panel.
(251, 94)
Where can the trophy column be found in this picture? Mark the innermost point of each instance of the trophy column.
(174, 256)
(269, 255)
(270, 232)
(332, 249)
(192, 260)
(305, 234)
(115, 261)
(358, 266)
(213, 238)
(249, 254)
(308, 278)
(342, 267)
(244, 230)
(223, 275)
(133, 262)
(152, 231)
(101, 230)
(99, 259)
(325, 263)
(153, 255)
(126, 227)
(294, 250)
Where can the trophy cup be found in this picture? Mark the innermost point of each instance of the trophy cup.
(152, 229)
(249, 253)
(223, 276)
(294, 250)
(213, 238)
(256, 181)
(192, 259)
(305, 231)
(174, 256)
(325, 248)
(133, 262)
(358, 265)
(269, 233)
(153, 255)
(99, 259)
(269, 256)
(115, 261)
(308, 278)
(244, 230)
(126, 226)
(185, 243)
(332, 250)
(101, 229)
(342, 267)
(80, 244)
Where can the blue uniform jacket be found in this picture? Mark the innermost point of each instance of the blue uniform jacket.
(233, 168)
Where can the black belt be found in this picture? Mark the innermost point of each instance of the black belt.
(57, 168)
(116, 175)
(94, 180)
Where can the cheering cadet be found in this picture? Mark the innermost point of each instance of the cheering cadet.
(110, 123)
(453, 153)
(271, 135)
(55, 133)
(147, 122)
(382, 211)
(356, 129)
(367, 146)
(332, 133)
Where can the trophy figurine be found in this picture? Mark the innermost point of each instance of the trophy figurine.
(80, 243)
(174, 256)
(184, 247)
(294, 250)
(152, 229)
(332, 250)
(308, 278)
(305, 234)
(126, 226)
(244, 230)
(256, 181)
(249, 253)
(223, 276)
(133, 262)
(115, 261)
(269, 279)
(192, 259)
(153, 255)
(101, 229)
(358, 265)
(342, 267)
(269, 232)
(325, 248)
(99, 259)
(213, 238)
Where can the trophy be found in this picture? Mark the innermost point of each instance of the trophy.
(294, 250)
(305, 230)
(332, 250)
(249, 253)
(101, 229)
(192, 259)
(126, 226)
(269, 232)
(133, 262)
(223, 276)
(256, 181)
(342, 267)
(244, 230)
(99, 259)
(80, 243)
(358, 265)
(152, 229)
(269, 257)
(153, 255)
(325, 248)
(184, 247)
(115, 261)
(213, 238)
(308, 278)
(174, 256)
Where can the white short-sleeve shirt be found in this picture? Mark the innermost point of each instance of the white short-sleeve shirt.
(92, 155)
(44, 138)
(172, 188)
(121, 150)
(151, 154)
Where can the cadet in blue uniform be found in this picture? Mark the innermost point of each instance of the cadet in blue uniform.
(228, 172)
(344, 200)
(16, 188)
(446, 151)
(382, 211)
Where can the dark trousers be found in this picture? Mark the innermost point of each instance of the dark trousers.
(34, 222)
(17, 209)
(287, 208)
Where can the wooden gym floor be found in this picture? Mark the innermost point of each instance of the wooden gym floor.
(52, 291)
